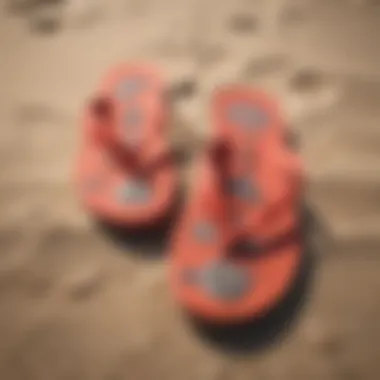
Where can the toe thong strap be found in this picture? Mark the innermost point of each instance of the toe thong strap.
(220, 153)
(103, 127)
(159, 155)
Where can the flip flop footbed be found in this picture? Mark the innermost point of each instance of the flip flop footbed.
(259, 198)
(133, 129)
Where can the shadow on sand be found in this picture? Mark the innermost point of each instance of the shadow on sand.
(262, 333)
(149, 242)
(253, 336)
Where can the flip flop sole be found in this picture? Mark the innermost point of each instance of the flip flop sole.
(106, 187)
(263, 191)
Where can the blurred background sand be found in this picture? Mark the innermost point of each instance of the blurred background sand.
(71, 305)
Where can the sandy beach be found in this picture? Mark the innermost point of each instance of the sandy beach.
(75, 306)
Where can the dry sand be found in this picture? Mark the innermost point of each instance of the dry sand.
(72, 306)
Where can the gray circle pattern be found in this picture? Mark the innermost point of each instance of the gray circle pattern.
(242, 188)
(130, 87)
(205, 232)
(246, 116)
(134, 191)
(225, 281)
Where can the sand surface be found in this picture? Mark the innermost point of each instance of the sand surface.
(74, 306)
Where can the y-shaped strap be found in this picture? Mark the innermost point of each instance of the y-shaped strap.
(102, 109)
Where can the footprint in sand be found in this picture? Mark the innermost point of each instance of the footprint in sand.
(43, 16)
(307, 81)
(183, 89)
(49, 16)
(243, 23)
(46, 22)
(309, 90)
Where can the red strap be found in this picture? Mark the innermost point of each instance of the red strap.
(161, 157)
(220, 153)
(102, 109)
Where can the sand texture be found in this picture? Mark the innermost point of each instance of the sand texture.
(73, 306)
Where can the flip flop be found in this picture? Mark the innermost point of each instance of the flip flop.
(238, 249)
(125, 174)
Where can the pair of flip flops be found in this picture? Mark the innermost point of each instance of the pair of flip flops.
(237, 248)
